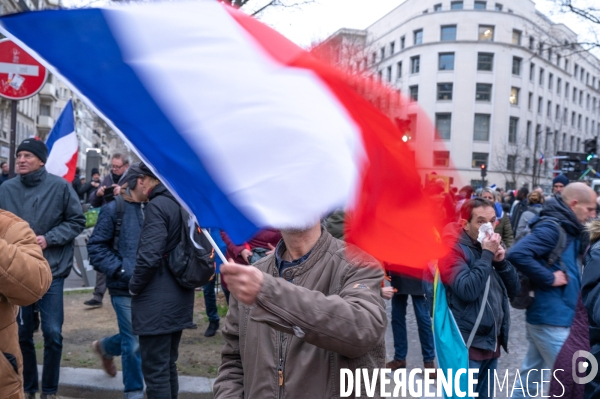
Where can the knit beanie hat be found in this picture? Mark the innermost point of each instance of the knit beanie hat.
(36, 147)
(95, 171)
(560, 179)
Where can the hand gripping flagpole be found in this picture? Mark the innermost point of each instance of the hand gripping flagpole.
(214, 245)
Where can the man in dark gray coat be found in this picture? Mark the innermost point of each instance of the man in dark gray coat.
(51, 207)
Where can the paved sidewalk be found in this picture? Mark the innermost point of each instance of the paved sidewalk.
(95, 384)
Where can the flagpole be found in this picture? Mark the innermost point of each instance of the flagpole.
(214, 245)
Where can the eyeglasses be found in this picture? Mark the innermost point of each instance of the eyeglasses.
(117, 166)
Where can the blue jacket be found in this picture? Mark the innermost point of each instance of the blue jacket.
(553, 306)
(117, 266)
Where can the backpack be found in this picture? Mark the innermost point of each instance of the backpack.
(120, 202)
(524, 298)
(192, 261)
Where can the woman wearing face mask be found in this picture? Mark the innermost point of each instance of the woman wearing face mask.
(502, 226)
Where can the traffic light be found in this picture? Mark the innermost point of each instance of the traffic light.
(483, 171)
(590, 147)
(404, 127)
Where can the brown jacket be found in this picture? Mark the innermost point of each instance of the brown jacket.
(25, 277)
(294, 340)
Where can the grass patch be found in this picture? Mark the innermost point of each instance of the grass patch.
(77, 292)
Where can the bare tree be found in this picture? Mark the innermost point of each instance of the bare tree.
(516, 162)
(255, 7)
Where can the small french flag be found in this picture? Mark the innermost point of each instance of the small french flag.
(63, 145)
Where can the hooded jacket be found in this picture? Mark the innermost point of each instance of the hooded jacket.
(590, 291)
(159, 305)
(551, 305)
(118, 265)
(526, 217)
(465, 271)
(24, 278)
(51, 207)
(322, 315)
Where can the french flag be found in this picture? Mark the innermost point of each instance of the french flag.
(246, 128)
(63, 146)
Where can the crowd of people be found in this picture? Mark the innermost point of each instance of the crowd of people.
(308, 306)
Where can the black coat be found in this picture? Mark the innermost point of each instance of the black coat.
(159, 305)
(465, 271)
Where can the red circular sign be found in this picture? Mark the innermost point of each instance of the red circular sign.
(21, 76)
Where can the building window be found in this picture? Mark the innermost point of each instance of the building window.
(565, 118)
(480, 5)
(532, 71)
(392, 48)
(437, 7)
(579, 122)
(549, 109)
(498, 7)
(479, 158)
(558, 84)
(516, 66)
(557, 112)
(550, 81)
(527, 166)
(415, 64)
(514, 95)
(444, 91)
(441, 158)
(456, 5)
(399, 70)
(528, 134)
(483, 92)
(389, 73)
(418, 36)
(530, 101)
(448, 33)
(572, 143)
(374, 57)
(558, 58)
(576, 71)
(573, 118)
(581, 98)
(541, 80)
(486, 33)
(566, 65)
(574, 95)
(567, 90)
(382, 52)
(485, 61)
(516, 37)
(414, 93)
(446, 62)
(540, 105)
(442, 124)
(531, 43)
(481, 130)
(511, 163)
(402, 42)
(513, 128)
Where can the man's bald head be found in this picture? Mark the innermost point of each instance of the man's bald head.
(581, 199)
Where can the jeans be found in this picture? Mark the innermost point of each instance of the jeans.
(52, 315)
(544, 344)
(423, 316)
(126, 345)
(482, 377)
(159, 357)
(210, 300)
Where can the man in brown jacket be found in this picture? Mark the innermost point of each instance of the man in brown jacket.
(298, 317)
(25, 277)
